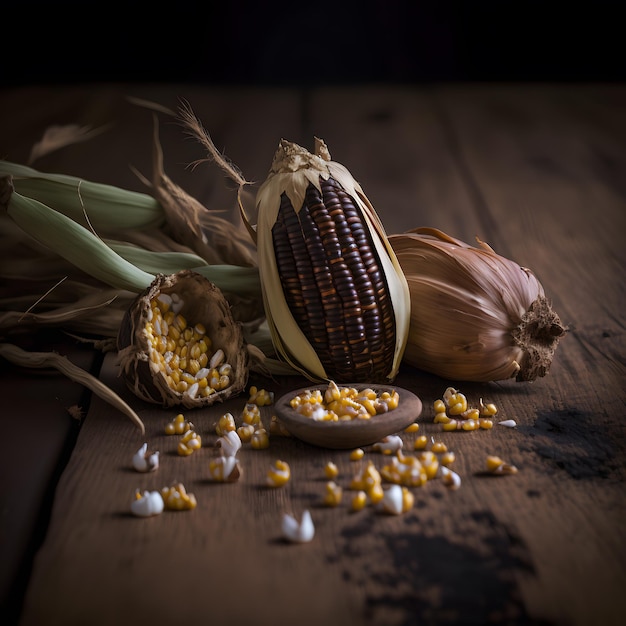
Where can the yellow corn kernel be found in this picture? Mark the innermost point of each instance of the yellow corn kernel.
(260, 439)
(180, 322)
(495, 465)
(447, 458)
(370, 476)
(376, 493)
(332, 392)
(359, 500)
(439, 406)
(225, 424)
(420, 443)
(176, 498)
(245, 432)
(393, 401)
(333, 494)
(441, 418)
(189, 443)
(224, 469)
(331, 470)
(188, 378)
(412, 428)
(178, 425)
(430, 463)
(470, 424)
(279, 474)
(485, 423)
(194, 352)
(357, 455)
(207, 391)
(470, 414)
(487, 410)
(173, 333)
(251, 414)
(458, 404)
(438, 447)
(452, 425)
(203, 359)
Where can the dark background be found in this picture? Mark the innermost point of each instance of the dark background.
(307, 43)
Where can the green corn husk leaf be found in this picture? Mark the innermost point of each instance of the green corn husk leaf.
(71, 241)
(108, 208)
(243, 281)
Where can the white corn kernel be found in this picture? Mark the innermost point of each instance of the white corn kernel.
(147, 503)
(144, 461)
(298, 532)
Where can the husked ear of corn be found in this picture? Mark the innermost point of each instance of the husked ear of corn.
(335, 297)
(179, 344)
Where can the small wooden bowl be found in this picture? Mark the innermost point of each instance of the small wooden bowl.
(346, 434)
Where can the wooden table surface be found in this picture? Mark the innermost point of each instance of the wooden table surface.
(536, 170)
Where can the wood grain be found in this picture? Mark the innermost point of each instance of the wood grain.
(534, 170)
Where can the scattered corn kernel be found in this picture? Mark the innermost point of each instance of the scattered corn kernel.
(357, 455)
(420, 443)
(396, 500)
(225, 424)
(245, 432)
(331, 470)
(176, 498)
(359, 500)
(298, 532)
(508, 423)
(333, 494)
(447, 458)
(279, 474)
(251, 414)
(485, 423)
(388, 445)
(450, 479)
(229, 442)
(145, 461)
(439, 406)
(487, 410)
(495, 465)
(147, 503)
(178, 425)
(412, 428)
(189, 443)
(224, 469)
(438, 447)
(260, 397)
(441, 418)
(260, 439)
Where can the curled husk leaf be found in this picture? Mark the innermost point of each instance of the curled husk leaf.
(203, 303)
(475, 315)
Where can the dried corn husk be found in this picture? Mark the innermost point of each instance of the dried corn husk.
(345, 344)
(475, 315)
(204, 303)
(22, 358)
